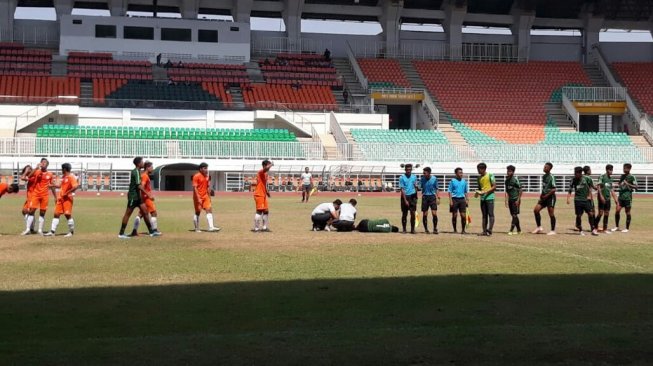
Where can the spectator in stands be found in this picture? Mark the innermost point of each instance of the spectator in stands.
(180, 64)
(266, 62)
(327, 54)
(171, 82)
(345, 95)
(168, 64)
(158, 60)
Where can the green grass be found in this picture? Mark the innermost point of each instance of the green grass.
(304, 298)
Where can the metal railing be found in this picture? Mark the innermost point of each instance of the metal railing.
(429, 153)
(423, 50)
(274, 45)
(38, 36)
(164, 149)
(612, 94)
(430, 107)
(571, 110)
(358, 72)
(336, 130)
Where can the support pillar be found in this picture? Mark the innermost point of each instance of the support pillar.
(391, 24)
(189, 9)
(521, 32)
(592, 25)
(7, 10)
(292, 16)
(63, 7)
(453, 27)
(117, 8)
(242, 10)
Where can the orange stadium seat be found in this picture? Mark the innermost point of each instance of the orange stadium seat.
(638, 78)
(384, 72)
(503, 100)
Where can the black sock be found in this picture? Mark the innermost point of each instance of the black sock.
(538, 219)
(404, 220)
(517, 223)
(122, 229)
(592, 221)
(489, 229)
(579, 223)
(435, 223)
(425, 222)
(553, 223)
(597, 221)
(454, 223)
(513, 224)
(605, 221)
(617, 218)
(463, 223)
(628, 221)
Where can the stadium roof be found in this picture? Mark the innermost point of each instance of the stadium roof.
(553, 13)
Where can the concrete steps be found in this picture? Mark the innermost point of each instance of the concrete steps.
(254, 72)
(237, 97)
(357, 95)
(558, 115)
(86, 94)
(640, 141)
(159, 73)
(59, 66)
(411, 74)
(595, 75)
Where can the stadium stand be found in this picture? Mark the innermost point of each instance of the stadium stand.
(383, 73)
(638, 78)
(298, 81)
(504, 101)
(199, 72)
(373, 143)
(15, 60)
(89, 65)
(113, 141)
(39, 89)
(162, 95)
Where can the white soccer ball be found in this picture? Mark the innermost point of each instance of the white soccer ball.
(97, 194)
(121, 194)
(359, 195)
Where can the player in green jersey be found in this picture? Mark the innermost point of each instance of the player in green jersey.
(606, 196)
(547, 200)
(513, 199)
(627, 185)
(582, 185)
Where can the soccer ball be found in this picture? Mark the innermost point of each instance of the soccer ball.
(97, 194)
(359, 195)
(121, 194)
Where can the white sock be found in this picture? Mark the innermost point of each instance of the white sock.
(153, 223)
(266, 221)
(30, 222)
(71, 225)
(257, 220)
(55, 223)
(41, 222)
(209, 219)
(196, 221)
(137, 223)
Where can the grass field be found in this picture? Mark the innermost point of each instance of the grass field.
(304, 298)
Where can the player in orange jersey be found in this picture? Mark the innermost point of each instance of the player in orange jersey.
(29, 188)
(64, 205)
(8, 188)
(261, 195)
(202, 193)
(40, 196)
(148, 199)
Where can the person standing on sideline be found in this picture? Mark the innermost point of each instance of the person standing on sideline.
(64, 204)
(547, 200)
(148, 199)
(261, 195)
(202, 193)
(307, 184)
(487, 185)
(606, 193)
(458, 200)
(40, 196)
(430, 199)
(134, 200)
(513, 199)
(627, 185)
(408, 187)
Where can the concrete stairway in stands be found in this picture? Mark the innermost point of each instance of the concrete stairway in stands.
(356, 151)
(254, 72)
(595, 75)
(86, 94)
(555, 112)
(237, 97)
(59, 66)
(445, 126)
(159, 73)
(350, 82)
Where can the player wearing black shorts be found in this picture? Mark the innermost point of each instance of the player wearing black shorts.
(513, 199)
(627, 185)
(458, 201)
(582, 185)
(547, 200)
(408, 186)
(430, 199)
(606, 195)
(134, 200)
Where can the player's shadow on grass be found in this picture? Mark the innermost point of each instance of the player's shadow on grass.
(467, 319)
